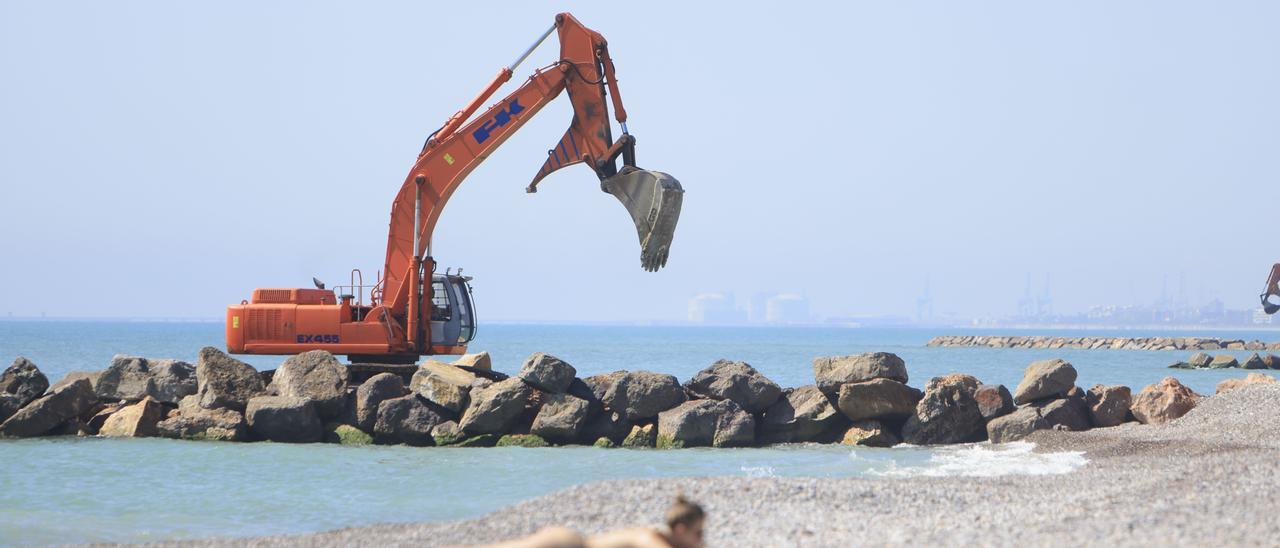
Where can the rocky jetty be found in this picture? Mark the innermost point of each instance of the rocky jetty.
(861, 399)
(1095, 343)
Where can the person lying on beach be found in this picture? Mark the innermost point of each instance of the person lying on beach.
(683, 529)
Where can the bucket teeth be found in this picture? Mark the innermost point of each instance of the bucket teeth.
(653, 199)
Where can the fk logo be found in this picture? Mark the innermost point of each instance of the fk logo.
(500, 119)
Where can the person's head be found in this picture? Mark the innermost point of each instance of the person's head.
(684, 520)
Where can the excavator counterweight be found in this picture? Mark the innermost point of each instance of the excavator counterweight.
(412, 310)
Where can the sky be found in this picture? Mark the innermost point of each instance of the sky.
(163, 159)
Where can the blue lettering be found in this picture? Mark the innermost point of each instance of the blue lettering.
(504, 116)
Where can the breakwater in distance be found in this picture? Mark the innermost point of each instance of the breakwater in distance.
(1101, 343)
(861, 399)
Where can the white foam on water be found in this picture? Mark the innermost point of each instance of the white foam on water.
(758, 471)
(986, 460)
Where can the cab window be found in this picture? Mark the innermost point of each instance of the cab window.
(440, 309)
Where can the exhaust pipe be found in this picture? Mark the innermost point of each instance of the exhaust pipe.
(653, 199)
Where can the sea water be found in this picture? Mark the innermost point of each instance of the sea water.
(67, 490)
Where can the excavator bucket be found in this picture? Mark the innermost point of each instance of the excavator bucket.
(653, 199)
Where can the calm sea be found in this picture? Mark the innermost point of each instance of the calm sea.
(83, 490)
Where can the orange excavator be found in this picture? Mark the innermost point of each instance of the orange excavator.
(1271, 293)
(412, 310)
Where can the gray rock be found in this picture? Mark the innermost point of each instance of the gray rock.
(132, 378)
(948, 413)
(1254, 362)
(561, 418)
(315, 375)
(870, 433)
(23, 380)
(877, 398)
(289, 419)
(833, 371)
(1181, 365)
(1108, 405)
(137, 420)
(642, 395)
(1016, 425)
(495, 408)
(1224, 361)
(9, 404)
(547, 373)
(700, 423)
(225, 382)
(802, 414)
(1045, 379)
(408, 420)
(1200, 360)
(447, 433)
(1064, 414)
(371, 393)
(600, 384)
(1272, 361)
(736, 381)
(74, 376)
(194, 422)
(51, 410)
(606, 424)
(439, 391)
(994, 400)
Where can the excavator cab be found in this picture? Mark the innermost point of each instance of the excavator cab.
(453, 314)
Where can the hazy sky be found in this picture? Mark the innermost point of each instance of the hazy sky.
(164, 159)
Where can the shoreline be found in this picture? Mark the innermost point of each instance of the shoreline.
(1209, 477)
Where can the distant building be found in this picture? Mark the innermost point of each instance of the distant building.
(787, 308)
(714, 308)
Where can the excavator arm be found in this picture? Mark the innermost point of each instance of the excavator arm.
(1272, 289)
(585, 70)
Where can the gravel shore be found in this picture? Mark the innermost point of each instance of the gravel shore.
(1211, 477)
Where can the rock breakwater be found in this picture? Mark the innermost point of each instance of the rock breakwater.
(312, 398)
(1104, 343)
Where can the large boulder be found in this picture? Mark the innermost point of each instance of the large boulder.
(1200, 360)
(289, 419)
(444, 385)
(869, 433)
(1252, 378)
(9, 404)
(134, 421)
(1016, 425)
(45, 413)
(994, 400)
(642, 395)
(73, 376)
(877, 398)
(407, 419)
(479, 360)
(1272, 361)
(1064, 414)
(700, 423)
(1108, 405)
(1224, 361)
(641, 437)
(24, 381)
(1045, 379)
(832, 371)
(373, 392)
(600, 384)
(1162, 402)
(1254, 361)
(736, 381)
(225, 382)
(315, 375)
(496, 407)
(801, 415)
(195, 422)
(947, 413)
(547, 373)
(132, 378)
(607, 424)
(561, 418)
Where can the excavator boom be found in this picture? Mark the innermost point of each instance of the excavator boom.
(405, 317)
